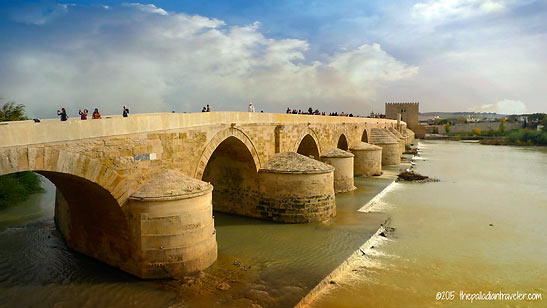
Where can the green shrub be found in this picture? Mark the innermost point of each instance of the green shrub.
(18, 187)
(527, 136)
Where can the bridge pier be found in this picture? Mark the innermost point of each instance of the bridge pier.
(391, 150)
(400, 138)
(172, 224)
(368, 159)
(343, 162)
(296, 189)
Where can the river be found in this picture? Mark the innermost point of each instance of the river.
(482, 228)
(282, 261)
(443, 241)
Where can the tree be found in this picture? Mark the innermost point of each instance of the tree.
(12, 112)
(502, 125)
(537, 117)
(19, 186)
(447, 128)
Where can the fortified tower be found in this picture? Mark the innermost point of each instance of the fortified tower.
(409, 114)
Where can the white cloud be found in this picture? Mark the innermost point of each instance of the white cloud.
(505, 106)
(179, 62)
(148, 8)
(455, 9)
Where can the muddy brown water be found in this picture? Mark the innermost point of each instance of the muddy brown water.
(283, 262)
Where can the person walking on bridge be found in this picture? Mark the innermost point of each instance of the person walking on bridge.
(63, 114)
(125, 111)
(251, 107)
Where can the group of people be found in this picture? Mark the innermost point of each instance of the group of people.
(125, 112)
(300, 111)
(250, 109)
(317, 112)
(83, 113)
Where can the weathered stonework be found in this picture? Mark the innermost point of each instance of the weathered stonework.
(296, 189)
(410, 134)
(172, 221)
(391, 150)
(112, 158)
(342, 161)
(399, 136)
(367, 160)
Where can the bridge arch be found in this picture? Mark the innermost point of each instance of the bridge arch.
(87, 212)
(217, 140)
(343, 142)
(308, 145)
(52, 161)
(232, 168)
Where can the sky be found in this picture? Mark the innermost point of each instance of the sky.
(346, 55)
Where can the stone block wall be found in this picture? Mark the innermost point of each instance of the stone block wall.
(296, 198)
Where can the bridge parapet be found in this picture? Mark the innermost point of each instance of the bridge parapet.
(52, 130)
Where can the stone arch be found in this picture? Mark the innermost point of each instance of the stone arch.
(308, 145)
(232, 171)
(365, 136)
(217, 140)
(87, 202)
(343, 142)
(43, 160)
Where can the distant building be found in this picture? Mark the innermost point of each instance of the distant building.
(409, 114)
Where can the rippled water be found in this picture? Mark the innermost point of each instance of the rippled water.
(482, 228)
(38, 270)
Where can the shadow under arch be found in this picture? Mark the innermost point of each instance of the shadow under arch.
(232, 170)
(64, 162)
(90, 219)
(308, 146)
(217, 140)
(343, 143)
(365, 136)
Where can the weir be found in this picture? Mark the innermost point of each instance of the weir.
(102, 169)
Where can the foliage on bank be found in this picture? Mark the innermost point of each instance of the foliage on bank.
(528, 137)
(18, 187)
(519, 137)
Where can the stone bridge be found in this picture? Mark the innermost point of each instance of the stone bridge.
(133, 192)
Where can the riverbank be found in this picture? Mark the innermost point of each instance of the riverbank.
(515, 137)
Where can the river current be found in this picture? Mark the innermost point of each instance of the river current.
(482, 228)
(443, 242)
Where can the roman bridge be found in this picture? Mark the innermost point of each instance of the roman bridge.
(136, 192)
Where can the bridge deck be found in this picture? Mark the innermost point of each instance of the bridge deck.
(52, 130)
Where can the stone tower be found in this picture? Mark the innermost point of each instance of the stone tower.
(409, 114)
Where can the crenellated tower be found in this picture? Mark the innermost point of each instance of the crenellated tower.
(409, 113)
